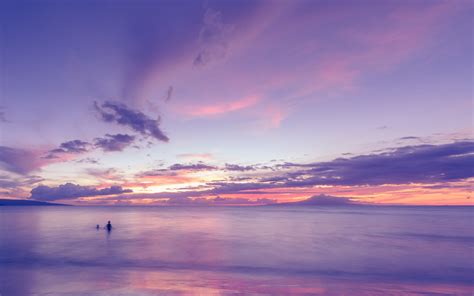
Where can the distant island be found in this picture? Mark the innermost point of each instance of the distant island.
(20, 202)
(321, 200)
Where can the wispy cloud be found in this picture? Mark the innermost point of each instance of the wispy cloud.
(16, 186)
(21, 161)
(194, 167)
(221, 108)
(169, 93)
(213, 38)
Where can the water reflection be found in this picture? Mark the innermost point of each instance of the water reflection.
(235, 251)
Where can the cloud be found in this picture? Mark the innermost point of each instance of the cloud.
(177, 167)
(213, 38)
(169, 93)
(221, 108)
(403, 165)
(20, 161)
(134, 119)
(108, 143)
(70, 147)
(192, 167)
(72, 191)
(88, 160)
(239, 168)
(422, 164)
(16, 186)
(116, 142)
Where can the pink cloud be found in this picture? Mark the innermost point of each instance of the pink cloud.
(24, 161)
(222, 108)
(272, 116)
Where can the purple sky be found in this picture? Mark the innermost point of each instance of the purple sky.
(253, 100)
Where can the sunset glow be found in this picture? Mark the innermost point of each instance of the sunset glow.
(255, 102)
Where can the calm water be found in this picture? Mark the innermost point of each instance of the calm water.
(237, 251)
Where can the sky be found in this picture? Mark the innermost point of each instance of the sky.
(237, 102)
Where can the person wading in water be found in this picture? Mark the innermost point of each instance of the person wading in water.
(108, 226)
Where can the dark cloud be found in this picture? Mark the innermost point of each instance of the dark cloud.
(409, 138)
(70, 147)
(72, 191)
(88, 160)
(191, 167)
(20, 161)
(239, 168)
(404, 165)
(107, 143)
(169, 93)
(134, 119)
(116, 142)
(213, 38)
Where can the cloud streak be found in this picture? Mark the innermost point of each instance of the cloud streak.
(221, 108)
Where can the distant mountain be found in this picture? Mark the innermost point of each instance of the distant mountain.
(23, 202)
(321, 200)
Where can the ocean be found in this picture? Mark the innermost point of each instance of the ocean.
(273, 250)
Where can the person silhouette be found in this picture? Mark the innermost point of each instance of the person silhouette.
(109, 226)
(97, 227)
